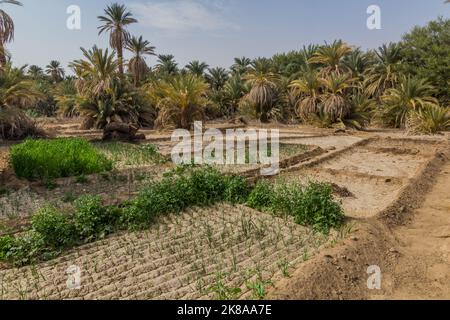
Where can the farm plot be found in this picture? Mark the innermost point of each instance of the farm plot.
(222, 252)
(368, 178)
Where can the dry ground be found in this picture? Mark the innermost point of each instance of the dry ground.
(394, 190)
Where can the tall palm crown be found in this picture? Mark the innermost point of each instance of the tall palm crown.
(6, 29)
(35, 72)
(55, 71)
(263, 92)
(332, 56)
(196, 67)
(217, 77)
(97, 71)
(241, 65)
(166, 64)
(384, 73)
(137, 66)
(308, 89)
(115, 21)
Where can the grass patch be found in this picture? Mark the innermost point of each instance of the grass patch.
(126, 154)
(51, 159)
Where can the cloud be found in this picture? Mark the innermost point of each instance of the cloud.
(183, 15)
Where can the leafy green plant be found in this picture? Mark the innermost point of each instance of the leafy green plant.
(261, 196)
(237, 190)
(223, 292)
(50, 159)
(92, 219)
(311, 204)
(55, 227)
(428, 120)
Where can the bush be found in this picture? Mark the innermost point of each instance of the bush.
(25, 249)
(56, 228)
(318, 209)
(262, 195)
(429, 120)
(49, 159)
(311, 205)
(237, 190)
(6, 244)
(180, 189)
(92, 220)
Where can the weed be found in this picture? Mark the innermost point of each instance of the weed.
(223, 292)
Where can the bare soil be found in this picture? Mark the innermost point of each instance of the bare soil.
(394, 190)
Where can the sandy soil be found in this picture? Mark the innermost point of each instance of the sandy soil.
(398, 218)
(423, 267)
(181, 257)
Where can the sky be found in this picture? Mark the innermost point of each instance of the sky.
(214, 31)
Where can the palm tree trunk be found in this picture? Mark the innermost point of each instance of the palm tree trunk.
(120, 60)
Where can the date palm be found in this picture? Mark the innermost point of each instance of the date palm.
(16, 92)
(35, 72)
(331, 56)
(166, 64)
(137, 65)
(411, 94)
(334, 99)
(217, 77)
(263, 92)
(234, 90)
(307, 88)
(97, 70)
(241, 65)
(197, 68)
(6, 29)
(384, 73)
(180, 99)
(55, 71)
(115, 21)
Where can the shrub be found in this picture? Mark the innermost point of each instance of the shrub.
(6, 243)
(318, 208)
(93, 220)
(26, 249)
(49, 159)
(237, 190)
(56, 228)
(261, 196)
(310, 204)
(429, 120)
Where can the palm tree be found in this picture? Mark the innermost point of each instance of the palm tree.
(166, 64)
(6, 29)
(16, 92)
(137, 65)
(412, 94)
(331, 56)
(241, 65)
(263, 92)
(97, 71)
(217, 77)
(180, 100)
(55, 71)
(308, 89)
(35, 72)
(335, 96)
(234, 90)
(196, 67)
(384, 73)
(115, 21)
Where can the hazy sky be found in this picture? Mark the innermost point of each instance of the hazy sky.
(215, 31)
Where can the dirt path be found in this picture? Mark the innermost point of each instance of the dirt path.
(423, 268)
